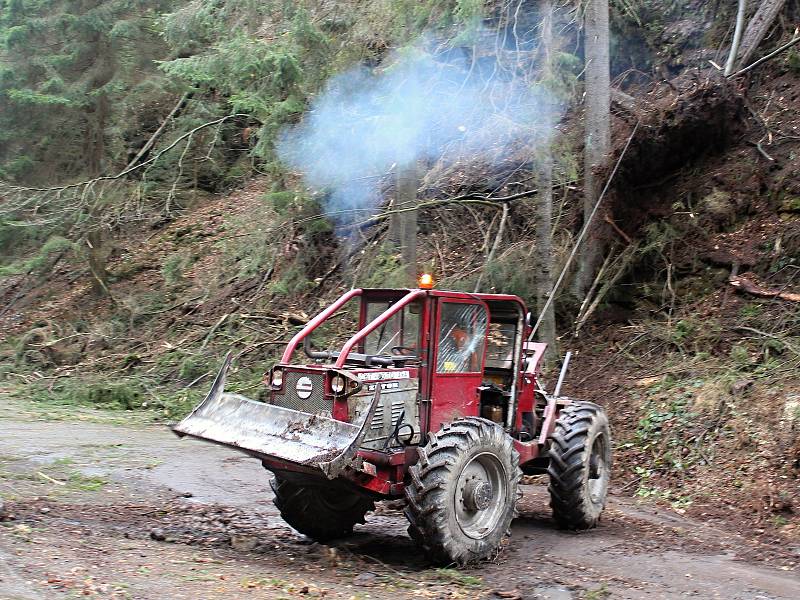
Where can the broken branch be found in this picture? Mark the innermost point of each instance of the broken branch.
(146, 148)
(617, 229)
(50, 479)
(498, 238)
(745, 285)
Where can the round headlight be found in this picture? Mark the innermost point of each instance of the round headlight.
(337, 384)
(277, 378)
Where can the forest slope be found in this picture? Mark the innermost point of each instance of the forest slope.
(701, 379)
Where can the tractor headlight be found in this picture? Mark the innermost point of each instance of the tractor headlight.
(277, 378)
(337, 384)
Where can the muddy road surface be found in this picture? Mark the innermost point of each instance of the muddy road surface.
(110, 511)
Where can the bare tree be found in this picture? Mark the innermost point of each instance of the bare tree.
(598, 130)
(544, 212)
(403, 223)
(730, 65)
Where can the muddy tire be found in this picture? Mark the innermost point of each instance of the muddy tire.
(580, 465)
(463, 492)
(322, 513)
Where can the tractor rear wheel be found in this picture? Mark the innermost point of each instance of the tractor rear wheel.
(463, 491)
(580, 465)
(320, 512)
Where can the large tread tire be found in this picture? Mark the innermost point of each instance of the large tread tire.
(437, 484)
(580, 465)
(320, 512)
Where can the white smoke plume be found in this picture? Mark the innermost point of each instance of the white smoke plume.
(420, 105)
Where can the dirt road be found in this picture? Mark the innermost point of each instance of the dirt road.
(132, 512)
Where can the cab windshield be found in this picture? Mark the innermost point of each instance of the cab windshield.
(399, 335)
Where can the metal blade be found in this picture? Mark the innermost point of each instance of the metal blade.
(273, 432)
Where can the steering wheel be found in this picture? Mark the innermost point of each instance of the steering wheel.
(403, 351)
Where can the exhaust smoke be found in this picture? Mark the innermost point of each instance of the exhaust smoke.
(426, 103)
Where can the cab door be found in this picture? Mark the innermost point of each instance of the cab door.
(460, 347)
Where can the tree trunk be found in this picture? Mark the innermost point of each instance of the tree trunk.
(737, 37)
(543, 250)
(757, 28)
(403, 225)
(98, 259)
(98, 252)
(598, 132)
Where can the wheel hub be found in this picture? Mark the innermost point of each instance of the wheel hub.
(478, 495)
(597, 481)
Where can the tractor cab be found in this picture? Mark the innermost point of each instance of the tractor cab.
(435, 355)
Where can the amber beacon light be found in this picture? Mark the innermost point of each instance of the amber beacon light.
(425, 281)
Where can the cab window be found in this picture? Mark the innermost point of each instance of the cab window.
(399, 335)
(462, 338)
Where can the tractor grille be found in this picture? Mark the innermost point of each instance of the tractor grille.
(377, 419)
(396, 405)
(314, 404)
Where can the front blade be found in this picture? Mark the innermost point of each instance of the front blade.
(272, 432)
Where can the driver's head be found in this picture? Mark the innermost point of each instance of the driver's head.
(460, 337)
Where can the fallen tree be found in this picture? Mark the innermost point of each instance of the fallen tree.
(757, 29)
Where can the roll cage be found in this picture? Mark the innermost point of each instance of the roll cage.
(502, 307)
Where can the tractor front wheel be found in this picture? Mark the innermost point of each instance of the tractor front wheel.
(580, 465)
(463, 491)
(322, 513)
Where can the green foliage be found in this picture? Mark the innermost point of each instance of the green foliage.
(175, 266)
(29, 97)
(683, 331)
(467, 11)
(249, 74)
(254, 244)
(83, 86)
(793, 61)
(456, 577)
(291, 281)
(97, 391)
(561, 79)
(666, 419)
(383, 270)
(751, 311)
(512, 273)
(41, 260)
(114, 395)
(192, 367)
(17, 166)
(598, 593)
(740, 355)
(283, 202)
(66, 73)
(241, 66)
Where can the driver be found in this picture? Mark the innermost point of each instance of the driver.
(462, 341)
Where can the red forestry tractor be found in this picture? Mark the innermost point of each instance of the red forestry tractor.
(435, 400)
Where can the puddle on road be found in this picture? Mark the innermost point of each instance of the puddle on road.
(553, 593)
